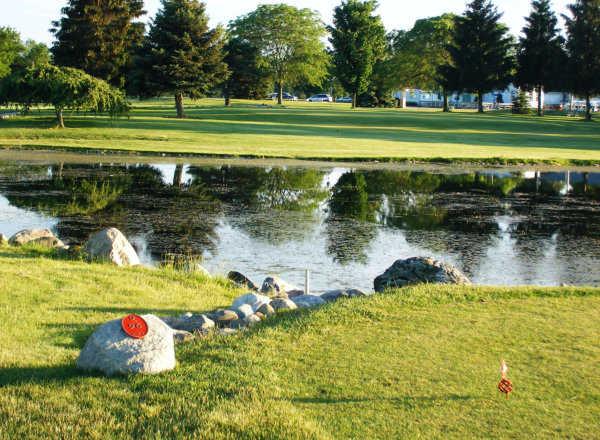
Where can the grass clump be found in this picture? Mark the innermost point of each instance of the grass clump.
(417, 363)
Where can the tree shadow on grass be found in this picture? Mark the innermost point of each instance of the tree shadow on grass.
(62, 374)
(405, 401)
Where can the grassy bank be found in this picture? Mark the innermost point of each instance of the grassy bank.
(317, 131)
(417, 363)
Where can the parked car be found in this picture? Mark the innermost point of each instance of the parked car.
(344, 100)
(320, 98)
(286, 96)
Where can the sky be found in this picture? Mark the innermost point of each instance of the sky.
(32, 18)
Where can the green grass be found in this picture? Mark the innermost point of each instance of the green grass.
(317, 131)
(417, 363)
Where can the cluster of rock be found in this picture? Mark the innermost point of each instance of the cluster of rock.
(112, 352)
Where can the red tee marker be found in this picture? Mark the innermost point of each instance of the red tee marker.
(135, 326)
(505, 386)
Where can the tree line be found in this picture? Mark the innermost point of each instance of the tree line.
(102, 52)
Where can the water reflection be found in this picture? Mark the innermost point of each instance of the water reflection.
(346, 225)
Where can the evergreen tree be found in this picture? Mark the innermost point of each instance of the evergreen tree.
(248, 78)
(359, 41)
(289, 41)
(583, 46)
(185, 54)
(97, 36)
(540, 56)
(521, 104)
(482, 51)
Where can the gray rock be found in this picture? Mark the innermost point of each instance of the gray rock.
(242, 280)
(112, 352)
(227, 331)
(295, 293)
(307, 301)
(273, 285)
(266, 310)
(190, 322)
(180, 336)
(281, 304)
(111, 245)
(419, 271)
(41, 237)
(252, 320)
(244, 311)
(254, 300)
(224, 317)
(334, 295)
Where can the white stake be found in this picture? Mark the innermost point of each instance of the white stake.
(307, 282)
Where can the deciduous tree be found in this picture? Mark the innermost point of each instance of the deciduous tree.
(10, 48)
(290, 43)
(248, 78)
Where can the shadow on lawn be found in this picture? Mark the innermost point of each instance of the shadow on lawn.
(60, 374)
(410, 127)
(406, 401)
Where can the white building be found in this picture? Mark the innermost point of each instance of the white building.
(497, 99)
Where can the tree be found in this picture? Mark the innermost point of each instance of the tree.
(481, 54)
(10, 48)
(66, 88)
(185, 55)
(521, 104)
(583, 47)
(290, 43)
(14, 88)
(358, 39)
(248, 79)
(97, 36)
(420, 52)
(540, 56)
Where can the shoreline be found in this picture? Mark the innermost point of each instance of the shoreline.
(39, 154)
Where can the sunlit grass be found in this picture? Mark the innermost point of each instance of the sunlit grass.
(319, 131)
(418, 363)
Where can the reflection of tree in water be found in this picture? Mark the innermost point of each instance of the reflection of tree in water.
(85, 198)
(272, 204)
(351, 222)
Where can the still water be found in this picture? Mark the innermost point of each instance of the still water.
(345, 225)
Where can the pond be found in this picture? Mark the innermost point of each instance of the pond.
(346, 223)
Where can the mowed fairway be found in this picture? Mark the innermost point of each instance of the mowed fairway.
(317, 131)
(418, 363)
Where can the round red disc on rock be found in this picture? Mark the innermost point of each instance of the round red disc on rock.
(135, 326)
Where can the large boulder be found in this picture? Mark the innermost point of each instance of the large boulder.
(41, 237)
(242, 280)
(308, 301)
(254, 300)
(111, 245)
(419, 271)
(273, 285)
(111, 351)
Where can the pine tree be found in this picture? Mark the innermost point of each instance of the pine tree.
(185, 54)
(521, 103)
(97, 36)
(583, 46)
(359, 41)
(540, 57)
(482, 51)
